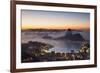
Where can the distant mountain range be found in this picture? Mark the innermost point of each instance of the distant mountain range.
(48, 30)
(69, 34)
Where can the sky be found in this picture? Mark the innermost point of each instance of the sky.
(39, 19)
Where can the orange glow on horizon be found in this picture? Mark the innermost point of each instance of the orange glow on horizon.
(76, 27)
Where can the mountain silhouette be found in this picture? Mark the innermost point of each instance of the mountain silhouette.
(72, 37)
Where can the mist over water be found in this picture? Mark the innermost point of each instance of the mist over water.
(60, 45)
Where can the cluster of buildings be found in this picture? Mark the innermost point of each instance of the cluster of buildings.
(40, 52)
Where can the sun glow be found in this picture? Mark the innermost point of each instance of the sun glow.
(76, 27)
